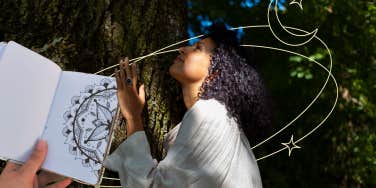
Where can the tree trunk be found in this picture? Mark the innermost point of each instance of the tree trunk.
(87, 36)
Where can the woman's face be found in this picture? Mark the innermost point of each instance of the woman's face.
(192, 65)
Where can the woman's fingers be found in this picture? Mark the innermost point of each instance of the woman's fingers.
(122, 72)
(126, 74)
(119, 82)
(131, 100)
(127, 69)
(134, 75)
(141, 94)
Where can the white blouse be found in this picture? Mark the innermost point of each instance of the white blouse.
(207, 149)
(2, 48)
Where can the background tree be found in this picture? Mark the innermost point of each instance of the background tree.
(88, 36)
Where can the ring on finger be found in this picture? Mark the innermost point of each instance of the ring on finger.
(128, 82)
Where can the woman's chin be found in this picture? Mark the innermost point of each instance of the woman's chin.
(173, 72)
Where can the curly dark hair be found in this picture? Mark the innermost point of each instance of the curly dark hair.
(236, 84)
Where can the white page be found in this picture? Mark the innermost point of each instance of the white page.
(63, 155)
(28, 81)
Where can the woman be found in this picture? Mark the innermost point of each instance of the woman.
(225, 101)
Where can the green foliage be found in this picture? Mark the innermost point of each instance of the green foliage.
(342, 152)
(300, 70)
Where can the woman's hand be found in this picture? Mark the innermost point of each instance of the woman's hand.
(131, 100)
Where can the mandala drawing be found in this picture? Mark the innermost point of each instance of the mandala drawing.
(88, 123)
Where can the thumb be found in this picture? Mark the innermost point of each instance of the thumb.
(36, 159)
(141, 93)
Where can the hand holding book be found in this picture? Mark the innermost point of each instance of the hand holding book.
(72, 111)
(26, 176)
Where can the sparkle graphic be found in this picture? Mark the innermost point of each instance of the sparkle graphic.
(289, 144)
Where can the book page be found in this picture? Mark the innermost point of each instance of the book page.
(28, 82)
(79, 123)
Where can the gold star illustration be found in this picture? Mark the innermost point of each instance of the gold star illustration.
(288, 145)
(299, 3)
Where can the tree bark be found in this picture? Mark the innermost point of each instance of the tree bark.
(87, 36)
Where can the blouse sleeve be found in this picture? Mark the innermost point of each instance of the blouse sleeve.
(201, 155)
(2, 48)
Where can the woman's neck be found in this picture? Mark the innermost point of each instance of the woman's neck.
(190, 94)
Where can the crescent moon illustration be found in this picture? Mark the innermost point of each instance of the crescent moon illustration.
(307, 36)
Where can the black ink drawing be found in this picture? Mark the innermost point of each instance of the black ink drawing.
(88, 123)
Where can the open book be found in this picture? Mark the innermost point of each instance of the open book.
(72, 111)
